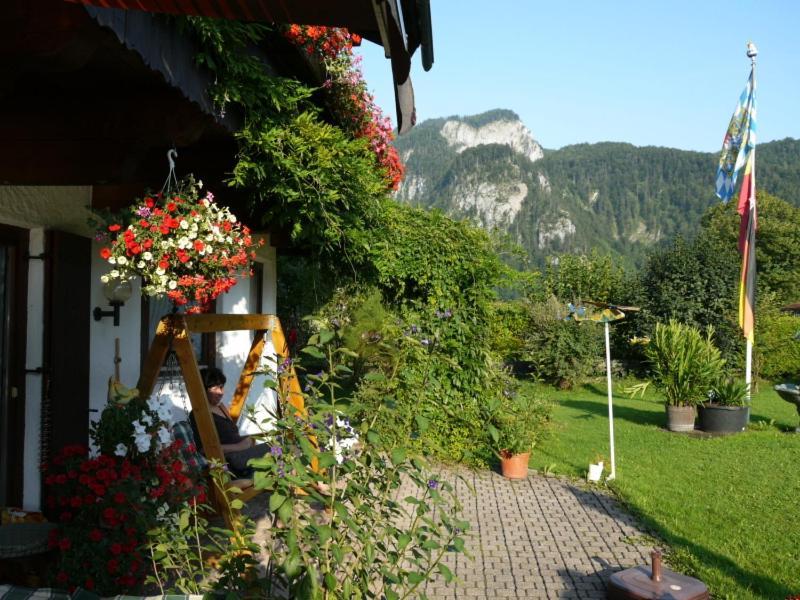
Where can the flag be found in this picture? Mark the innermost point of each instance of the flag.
(739, 150)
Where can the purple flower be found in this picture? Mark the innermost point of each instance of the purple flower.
(143, 211)
(433, 484)
(329, 420)
(276, 450)
(100, 236)
(414, 329)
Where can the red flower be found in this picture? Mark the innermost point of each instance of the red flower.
(64, 544)
(119, 498)
(171, 206)
(148, 202)
(105, 253)
(116, 549)
(112, 566)
(114, 227)
(95, 535)
(199, 245)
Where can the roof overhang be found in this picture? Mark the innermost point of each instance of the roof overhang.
(400, 26)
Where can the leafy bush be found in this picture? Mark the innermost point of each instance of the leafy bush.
(776, 352)
(517, 423)
(560, 351)
(685, 363)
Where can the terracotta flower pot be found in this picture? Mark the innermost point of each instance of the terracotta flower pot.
(514, 466)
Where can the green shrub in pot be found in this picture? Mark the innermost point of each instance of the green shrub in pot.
(728, 392)
(518, 423)
(684, 362)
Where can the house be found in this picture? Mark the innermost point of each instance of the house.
(93, 95)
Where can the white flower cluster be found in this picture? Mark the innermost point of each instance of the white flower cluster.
(142, 427)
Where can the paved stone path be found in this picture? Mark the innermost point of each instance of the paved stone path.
(541, 537)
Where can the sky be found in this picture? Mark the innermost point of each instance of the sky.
(648, 73)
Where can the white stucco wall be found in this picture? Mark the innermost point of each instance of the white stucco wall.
(103, 333)
(67, 209)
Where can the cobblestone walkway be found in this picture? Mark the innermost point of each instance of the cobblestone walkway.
(541, 537)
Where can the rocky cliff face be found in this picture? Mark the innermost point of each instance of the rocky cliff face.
(511, 133)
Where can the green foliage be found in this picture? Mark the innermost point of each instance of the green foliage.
(303, 174)
(313, 179)
(370, 541)
(685, 363)
(425, 256)
(183, 549)
(777, 243)
(729, 392)
(559, 351)
(693, 283)
(518, 422)
(576, 278)
(776, 352)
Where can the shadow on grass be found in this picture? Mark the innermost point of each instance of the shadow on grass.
(634, 415)
(689, 554)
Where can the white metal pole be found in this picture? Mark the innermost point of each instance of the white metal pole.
(613, 473)
(748, 365)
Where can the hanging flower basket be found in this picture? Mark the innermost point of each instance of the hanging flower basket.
(182, 244)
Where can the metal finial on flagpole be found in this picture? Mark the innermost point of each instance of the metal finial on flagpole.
(752, 51)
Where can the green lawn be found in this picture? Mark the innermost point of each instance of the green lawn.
(729, 507)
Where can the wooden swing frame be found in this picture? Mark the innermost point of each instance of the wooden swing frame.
(174, 333)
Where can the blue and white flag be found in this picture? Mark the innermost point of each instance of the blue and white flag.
(740, 140)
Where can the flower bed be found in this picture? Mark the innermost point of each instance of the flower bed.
(105, 502)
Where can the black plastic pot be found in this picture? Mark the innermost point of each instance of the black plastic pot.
(716, 418)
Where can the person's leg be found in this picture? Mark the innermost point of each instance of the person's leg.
(237, 461)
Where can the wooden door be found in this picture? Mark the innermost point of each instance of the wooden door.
(65, 393)
(13, 325)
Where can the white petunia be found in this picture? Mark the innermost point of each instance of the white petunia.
(172, 284)
(146, 419)
(232, 218)
(140, 264)
(114, 274)
(122, 260)
(112, 260)
(184, 224)
(160, 271)
(105, 278)
(121, 450)
(164, 436)
(142, 441)
(147, 255)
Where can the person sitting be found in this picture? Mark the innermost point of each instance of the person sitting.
(238, 449)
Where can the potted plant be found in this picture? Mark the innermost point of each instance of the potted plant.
(684, 364)
(515, 428)
(726, 410)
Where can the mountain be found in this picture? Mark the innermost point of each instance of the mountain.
(612, 196)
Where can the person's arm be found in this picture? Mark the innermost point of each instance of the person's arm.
(243, 444)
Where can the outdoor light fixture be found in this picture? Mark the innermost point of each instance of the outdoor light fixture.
(117, 291)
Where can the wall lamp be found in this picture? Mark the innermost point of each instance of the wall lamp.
(117, 291)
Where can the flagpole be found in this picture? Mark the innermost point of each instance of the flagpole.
(613, 473)
(752, 52)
